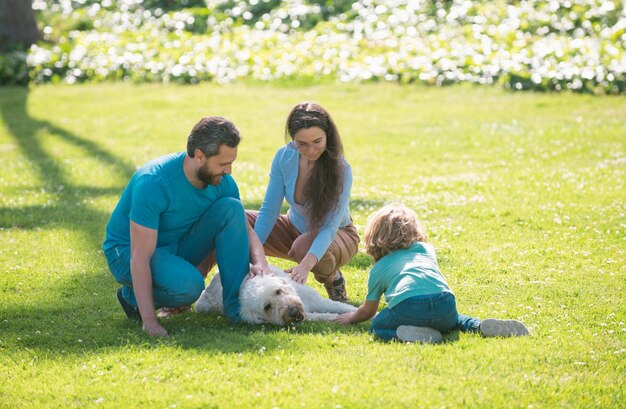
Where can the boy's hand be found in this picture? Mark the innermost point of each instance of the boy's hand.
(344, 318)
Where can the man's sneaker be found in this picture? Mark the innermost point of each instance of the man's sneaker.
(131, 312)
(166, 312)
(424, 335)
(492, 327)
(337, 289)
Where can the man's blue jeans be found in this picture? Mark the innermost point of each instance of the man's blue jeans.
(175, 279)
(436, 311)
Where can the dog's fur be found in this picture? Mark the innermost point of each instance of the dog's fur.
(274, 299)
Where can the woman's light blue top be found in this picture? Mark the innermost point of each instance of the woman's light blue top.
(282, 185)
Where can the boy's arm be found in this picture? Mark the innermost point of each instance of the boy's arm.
(363, 313)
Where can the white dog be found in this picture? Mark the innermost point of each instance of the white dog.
(274, 299)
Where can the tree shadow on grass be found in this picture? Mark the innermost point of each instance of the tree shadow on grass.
(25, 131)
(67, 210)
(54, 331)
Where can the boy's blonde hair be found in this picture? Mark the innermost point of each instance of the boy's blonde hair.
(390, 228)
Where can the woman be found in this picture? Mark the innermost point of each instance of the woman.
(311, 173)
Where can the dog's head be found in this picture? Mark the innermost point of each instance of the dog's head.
(270, 299)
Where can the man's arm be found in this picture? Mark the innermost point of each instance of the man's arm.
(142, 245)
(257, 254)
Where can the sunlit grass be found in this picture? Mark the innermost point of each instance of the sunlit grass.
(522, 195)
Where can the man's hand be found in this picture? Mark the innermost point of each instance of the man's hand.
(154, 329)
(260, 269)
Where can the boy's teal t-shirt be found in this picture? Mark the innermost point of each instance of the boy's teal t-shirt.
(406, 273)
(159, 196)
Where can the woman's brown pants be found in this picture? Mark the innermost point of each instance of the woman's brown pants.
(285, 241)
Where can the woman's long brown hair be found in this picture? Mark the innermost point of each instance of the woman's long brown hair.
(325, 184)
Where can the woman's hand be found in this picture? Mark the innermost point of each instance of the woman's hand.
(344, 318)
(298, 274)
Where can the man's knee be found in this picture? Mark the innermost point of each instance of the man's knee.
(229, 207)
(187, 292)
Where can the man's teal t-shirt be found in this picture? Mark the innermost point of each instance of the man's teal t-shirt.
(159, 196)
(406, 273)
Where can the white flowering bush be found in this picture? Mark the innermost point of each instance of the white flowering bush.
(542, 45)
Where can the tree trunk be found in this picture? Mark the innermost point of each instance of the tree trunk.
(17, 24)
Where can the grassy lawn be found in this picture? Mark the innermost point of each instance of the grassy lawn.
(522, 195)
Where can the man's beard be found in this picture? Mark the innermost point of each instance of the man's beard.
(208, 178)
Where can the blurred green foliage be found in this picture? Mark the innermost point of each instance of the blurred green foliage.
(533, 45)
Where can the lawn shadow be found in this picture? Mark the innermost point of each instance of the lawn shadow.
(452, 337)
(51, 330)
(214, 333)
(25, 129)
(67, 210)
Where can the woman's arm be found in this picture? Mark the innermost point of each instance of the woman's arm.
(363, 313)
(327, 233)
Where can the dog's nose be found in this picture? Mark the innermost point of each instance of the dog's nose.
(296, 314)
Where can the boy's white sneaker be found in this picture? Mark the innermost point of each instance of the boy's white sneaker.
(492, 327)
(424, 335)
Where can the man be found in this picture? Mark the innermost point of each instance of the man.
(175, 211)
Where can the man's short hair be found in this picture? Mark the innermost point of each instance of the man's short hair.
(210, 133)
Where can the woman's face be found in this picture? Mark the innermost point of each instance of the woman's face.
(310, 142)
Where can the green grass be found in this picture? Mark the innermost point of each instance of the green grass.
(521, 194)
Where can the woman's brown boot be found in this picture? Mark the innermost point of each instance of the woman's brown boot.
(336, 287)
